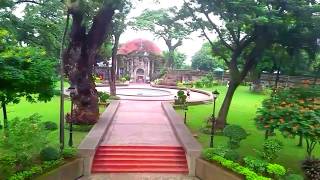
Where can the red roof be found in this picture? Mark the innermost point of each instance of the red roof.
(139, 45)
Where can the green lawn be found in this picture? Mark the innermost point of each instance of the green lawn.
(242, 112)
(49, 112)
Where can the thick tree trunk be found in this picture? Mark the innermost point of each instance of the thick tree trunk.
(223, 113)
(112, 81)
(79, 59)
(169, 63)
(5, 117)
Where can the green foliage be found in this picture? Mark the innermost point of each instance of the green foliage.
(24, 72)
(207, 81)
(235, 133)
(293, 177)
(271, 148)
(199, 84)
(236, 167)
(181, 98)
(294, 111)
(123, 79)
(210, 152)
(178, 59)
(232, 155)
(7, 166)
(165, 24)
(103, 96)
(206, 60)
(79, 128)
(127, 77)
(180, 84)
(311, 168)
(27, 137)
(49, 125)
(49, 154)
(36, 170)
(69, 152)
(256, 164)
(276, 170)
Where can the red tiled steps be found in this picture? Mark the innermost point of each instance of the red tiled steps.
(155, 159)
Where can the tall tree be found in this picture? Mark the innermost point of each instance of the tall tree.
(86, 38)
(178, 59)
(247, 29)
(118, 27)
(167, 25)
(206, 60)
(24, 72)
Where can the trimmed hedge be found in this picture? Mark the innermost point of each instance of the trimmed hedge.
(237, 168)
(36, 170)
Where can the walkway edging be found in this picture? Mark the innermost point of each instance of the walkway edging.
(191, 146)
(190, 102)
(91, 142)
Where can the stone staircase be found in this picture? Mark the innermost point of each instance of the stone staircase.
(140, 159)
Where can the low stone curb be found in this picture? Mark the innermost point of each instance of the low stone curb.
(210, 171)
(190, 102)
(189, 144)
(91, 142)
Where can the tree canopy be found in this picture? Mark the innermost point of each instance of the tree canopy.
(166, 24)
(248, 28)
(206, 60)
(24, 72)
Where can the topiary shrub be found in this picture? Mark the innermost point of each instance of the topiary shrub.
(49, 154)
(311, 168)
(50, 126)
(235, 133)
(271, 147)
(182, 98)
(232, 155)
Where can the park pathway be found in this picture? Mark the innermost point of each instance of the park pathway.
(140, 123)
(140, 144)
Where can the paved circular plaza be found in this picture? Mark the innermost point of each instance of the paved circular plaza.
(144, 92)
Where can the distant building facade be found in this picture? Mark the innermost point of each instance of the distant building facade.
(140, 59)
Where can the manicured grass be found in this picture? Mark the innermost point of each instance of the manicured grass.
(242, 111)
(49, 111)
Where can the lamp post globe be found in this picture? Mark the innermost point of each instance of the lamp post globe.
(73, 93)
(215, 95)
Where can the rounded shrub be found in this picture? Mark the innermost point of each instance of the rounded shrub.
(232, 155)
(49, 154)
(49, 125)
(235, 133)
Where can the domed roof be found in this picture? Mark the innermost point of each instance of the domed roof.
(139, 45)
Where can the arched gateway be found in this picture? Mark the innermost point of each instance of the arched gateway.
(140, 59)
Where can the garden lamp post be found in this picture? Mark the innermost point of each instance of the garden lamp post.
(73, 92)
(215, 95)
(185, 112)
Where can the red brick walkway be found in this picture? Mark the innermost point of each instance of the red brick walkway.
(140, 123)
